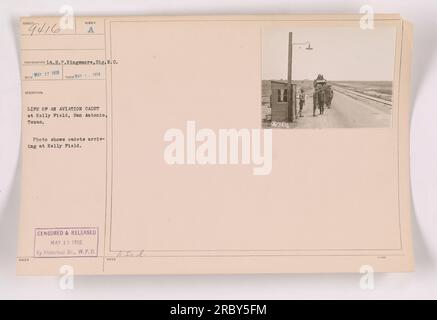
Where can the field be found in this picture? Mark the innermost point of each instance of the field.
(377, 89)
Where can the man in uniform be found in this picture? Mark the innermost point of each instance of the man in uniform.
(329, 95)
(319, 94)
(301, 101)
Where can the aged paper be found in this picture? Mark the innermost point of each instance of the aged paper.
(215, 144)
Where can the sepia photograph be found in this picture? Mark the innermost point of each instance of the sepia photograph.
(331, 77)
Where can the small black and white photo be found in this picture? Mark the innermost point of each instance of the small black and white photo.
(330, 77)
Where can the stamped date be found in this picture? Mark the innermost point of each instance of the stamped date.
(66, 242)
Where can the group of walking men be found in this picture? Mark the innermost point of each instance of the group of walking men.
(323, 95)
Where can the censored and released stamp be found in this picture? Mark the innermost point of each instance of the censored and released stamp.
(66, 242)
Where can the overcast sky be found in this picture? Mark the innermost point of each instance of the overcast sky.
(340, 53)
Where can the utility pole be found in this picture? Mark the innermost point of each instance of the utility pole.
(291, 111)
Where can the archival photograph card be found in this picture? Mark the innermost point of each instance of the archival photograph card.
(215, 144)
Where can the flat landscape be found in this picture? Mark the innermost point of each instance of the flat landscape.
(356, 104)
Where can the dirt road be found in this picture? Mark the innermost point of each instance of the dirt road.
(346, 112)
